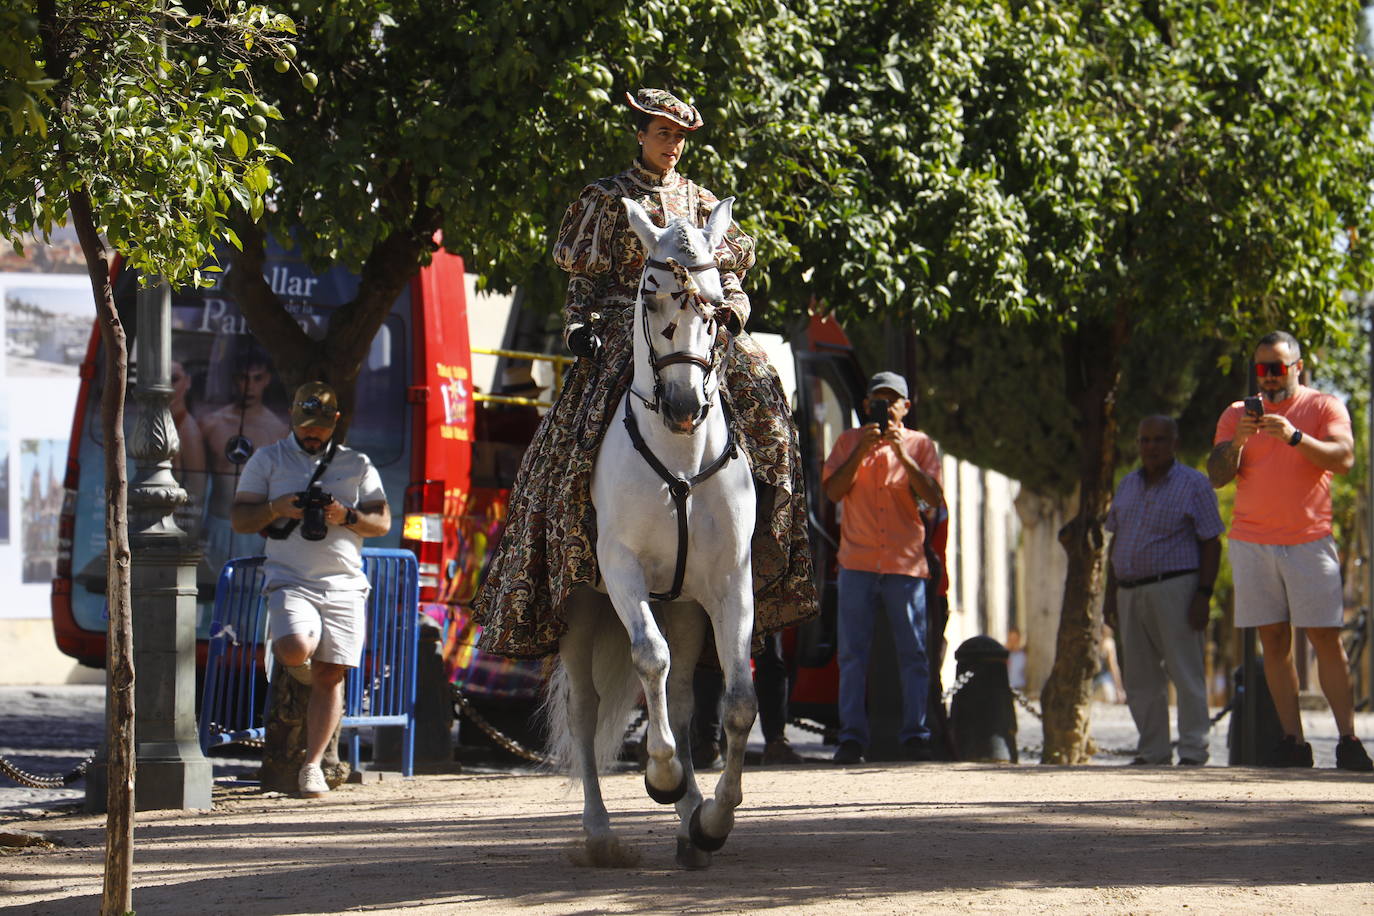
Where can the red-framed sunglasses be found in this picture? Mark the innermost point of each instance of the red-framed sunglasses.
(1273, 368)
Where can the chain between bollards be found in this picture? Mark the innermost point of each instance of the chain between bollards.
(25, 778)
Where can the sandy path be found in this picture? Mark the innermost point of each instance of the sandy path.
(872, 839)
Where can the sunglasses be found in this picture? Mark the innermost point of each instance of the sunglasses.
(1274, 368)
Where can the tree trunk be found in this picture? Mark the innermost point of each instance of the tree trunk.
(119, 645)
(283, 745)
(1092, 366)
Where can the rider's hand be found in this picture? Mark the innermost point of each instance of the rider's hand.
(582, 340)
(727, 319)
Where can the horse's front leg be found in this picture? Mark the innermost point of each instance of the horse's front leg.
(733, 621)
(664, 778)
(685, 627)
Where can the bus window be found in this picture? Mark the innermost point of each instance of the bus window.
(228, 400)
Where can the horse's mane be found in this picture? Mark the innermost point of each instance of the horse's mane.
(689, 241)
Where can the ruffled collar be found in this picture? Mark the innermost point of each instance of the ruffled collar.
(652, 179)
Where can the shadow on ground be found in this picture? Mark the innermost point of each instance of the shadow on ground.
(798, 842)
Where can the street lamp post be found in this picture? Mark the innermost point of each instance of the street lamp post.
(171, 770)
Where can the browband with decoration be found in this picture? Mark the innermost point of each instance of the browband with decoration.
(694, 268)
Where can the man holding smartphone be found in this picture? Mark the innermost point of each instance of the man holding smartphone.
(886, 478)
(1283, 557)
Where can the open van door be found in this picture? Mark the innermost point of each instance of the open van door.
(830, 391)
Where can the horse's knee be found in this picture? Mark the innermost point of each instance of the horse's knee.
(741, 708)
(650, 656)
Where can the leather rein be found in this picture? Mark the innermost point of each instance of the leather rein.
(680, 487)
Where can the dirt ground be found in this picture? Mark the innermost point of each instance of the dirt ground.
(884, 838)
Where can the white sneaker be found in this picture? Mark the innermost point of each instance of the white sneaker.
(311, 781)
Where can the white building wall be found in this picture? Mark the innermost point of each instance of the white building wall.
(984, 539)
(44, 323)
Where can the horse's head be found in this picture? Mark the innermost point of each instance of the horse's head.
(675, 316)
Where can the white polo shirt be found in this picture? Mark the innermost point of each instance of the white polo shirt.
(335, 563)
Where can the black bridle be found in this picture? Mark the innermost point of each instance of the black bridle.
(679, 487)
(685, 295)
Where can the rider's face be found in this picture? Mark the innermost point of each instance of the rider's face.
(662, 143)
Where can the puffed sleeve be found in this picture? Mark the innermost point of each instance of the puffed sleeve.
(736, 251)
(583, 248)
(734, 257)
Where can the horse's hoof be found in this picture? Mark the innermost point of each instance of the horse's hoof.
(690, 857)
(604, 851)
(670, 796)
(700, 838)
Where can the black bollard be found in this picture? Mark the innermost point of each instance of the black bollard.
(981, 716)
(1268, 731)
(433, 708)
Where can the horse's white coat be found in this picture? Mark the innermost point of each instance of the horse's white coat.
(637, 551)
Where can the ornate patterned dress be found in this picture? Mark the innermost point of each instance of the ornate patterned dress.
(549, 544)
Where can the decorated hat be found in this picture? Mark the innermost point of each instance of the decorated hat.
(315, 404)
(663, 103)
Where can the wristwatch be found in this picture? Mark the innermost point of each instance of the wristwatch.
(350, 517)
(1295, 438)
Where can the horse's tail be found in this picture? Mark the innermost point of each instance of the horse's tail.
(616, 684)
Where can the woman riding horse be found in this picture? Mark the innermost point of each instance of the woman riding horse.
(549, 544)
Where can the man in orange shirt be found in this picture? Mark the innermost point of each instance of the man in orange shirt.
(882, 473)
(1283, 557)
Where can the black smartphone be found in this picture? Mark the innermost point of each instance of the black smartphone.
(877, 412)
(1254, 406)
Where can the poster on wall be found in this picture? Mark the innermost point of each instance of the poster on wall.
(46, 332)
(40, 476)
(46, 321)
(4, 471)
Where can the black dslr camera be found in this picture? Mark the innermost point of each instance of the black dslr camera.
(313, 502)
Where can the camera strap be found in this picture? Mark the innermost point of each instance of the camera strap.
(282, 532)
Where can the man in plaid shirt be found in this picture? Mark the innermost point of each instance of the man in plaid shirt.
(1163, 562)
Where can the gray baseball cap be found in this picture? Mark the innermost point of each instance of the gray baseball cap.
(890, 380)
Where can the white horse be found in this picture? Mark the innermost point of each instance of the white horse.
(674, 501)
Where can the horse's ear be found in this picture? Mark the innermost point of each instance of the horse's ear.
(642, 224)
(719, 222)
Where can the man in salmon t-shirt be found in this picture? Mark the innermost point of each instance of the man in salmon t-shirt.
(881, 473)
(1283, 557)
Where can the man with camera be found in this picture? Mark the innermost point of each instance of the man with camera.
(886, 477)
(315, 500)
(1282, 450)
(1163, 561)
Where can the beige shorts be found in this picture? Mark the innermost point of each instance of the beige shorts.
(1298, 583)
(337, 619)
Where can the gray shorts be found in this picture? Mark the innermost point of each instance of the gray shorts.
(1298, 583)
(337, 619)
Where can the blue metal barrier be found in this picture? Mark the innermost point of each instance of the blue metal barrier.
(379, 692)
